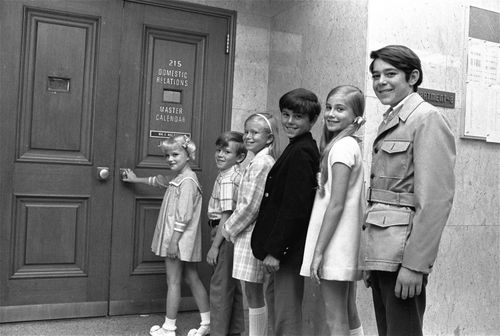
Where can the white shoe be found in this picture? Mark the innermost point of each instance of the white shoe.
(157, 330)
(201, 331)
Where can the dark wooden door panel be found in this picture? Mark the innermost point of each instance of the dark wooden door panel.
(59, 58)
(177, 83)
(59, 101)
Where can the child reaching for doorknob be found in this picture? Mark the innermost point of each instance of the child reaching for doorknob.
(177, 235)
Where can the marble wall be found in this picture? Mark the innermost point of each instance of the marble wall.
(317, 45)
(252, 47)
(284, 44)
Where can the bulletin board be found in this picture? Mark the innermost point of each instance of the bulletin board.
(482, 102)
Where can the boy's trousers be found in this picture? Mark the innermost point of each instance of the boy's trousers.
(284, 295)
(226, 298)
(396, 317)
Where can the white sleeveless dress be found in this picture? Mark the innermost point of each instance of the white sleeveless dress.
(340, 259)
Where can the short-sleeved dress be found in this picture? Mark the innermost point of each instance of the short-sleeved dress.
(242, 221)
(180, 211)
(340, 258)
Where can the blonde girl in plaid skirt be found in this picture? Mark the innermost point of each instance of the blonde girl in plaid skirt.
(261, 139)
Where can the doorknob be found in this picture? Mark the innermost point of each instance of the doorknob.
(103, 173)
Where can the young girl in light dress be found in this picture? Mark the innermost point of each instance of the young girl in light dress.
(177, 235)
(261, 134)
(333, 236)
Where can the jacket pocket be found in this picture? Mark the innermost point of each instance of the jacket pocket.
(395, 158)
(387, 232)
(392, 147)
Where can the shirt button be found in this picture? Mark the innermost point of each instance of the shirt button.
(266, 195)
(372, 176)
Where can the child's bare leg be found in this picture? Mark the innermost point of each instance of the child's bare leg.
(200, 296)
(197, 288)
(352, 310)
(257, 312)
(335, 295)
(174, 279)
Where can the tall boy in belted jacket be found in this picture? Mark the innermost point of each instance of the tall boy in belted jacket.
(411, 193)
(281, 228)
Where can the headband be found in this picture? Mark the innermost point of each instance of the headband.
(267, 121)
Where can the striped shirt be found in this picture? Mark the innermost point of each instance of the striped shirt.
(225, 192)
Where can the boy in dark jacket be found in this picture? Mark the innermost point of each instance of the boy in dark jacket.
(280, 232)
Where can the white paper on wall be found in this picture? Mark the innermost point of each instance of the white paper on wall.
(493, 134)
(482, 111)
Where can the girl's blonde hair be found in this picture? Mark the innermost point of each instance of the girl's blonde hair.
(182, 141)
(356, 101)
(271, 125)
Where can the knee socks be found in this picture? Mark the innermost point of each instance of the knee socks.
(357, 332)
(257, 321)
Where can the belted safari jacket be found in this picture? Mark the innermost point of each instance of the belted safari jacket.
(411, 189)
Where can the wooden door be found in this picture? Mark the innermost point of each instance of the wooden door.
(87, 86)
(176, 71)
(58, 122)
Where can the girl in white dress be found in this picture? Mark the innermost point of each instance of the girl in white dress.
(333, 236)
(177, 235)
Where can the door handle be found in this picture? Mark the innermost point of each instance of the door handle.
(103, 173)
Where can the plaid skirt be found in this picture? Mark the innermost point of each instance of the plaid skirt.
(245, 266)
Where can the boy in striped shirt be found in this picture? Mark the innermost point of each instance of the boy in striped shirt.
(226, 299)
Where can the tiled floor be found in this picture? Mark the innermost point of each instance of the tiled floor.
(129, 325)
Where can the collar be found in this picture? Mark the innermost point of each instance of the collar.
(404, 111)
(262, 152)
(411, 103)
(402, 102)
(395, 111)
(230, 170)
(188, 174)
(300, 137)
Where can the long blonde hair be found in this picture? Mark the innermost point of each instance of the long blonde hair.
(356, 101)
(272, 127)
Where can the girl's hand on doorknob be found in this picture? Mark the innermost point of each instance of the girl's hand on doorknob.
(128, 175)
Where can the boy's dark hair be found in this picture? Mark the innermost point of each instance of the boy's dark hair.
(402, 58)
(301, 101)
(237, 137)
